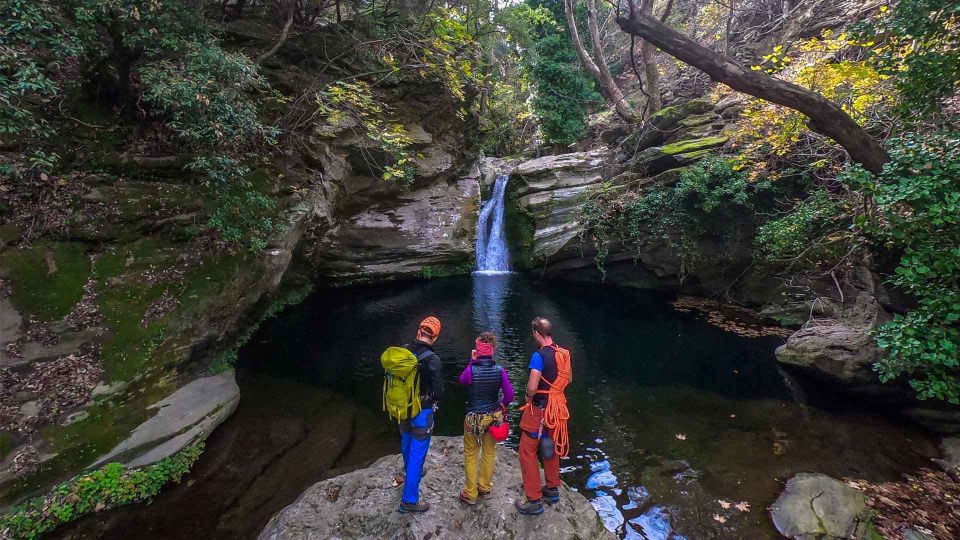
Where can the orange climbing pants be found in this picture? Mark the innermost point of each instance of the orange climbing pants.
(529, 446)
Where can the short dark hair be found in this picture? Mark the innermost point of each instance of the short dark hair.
(542, 327)
(488, 337)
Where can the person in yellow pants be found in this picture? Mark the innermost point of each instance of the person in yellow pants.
(486, 381)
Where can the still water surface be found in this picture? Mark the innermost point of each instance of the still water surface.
(669, 414)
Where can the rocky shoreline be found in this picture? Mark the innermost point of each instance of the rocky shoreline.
(362, 504)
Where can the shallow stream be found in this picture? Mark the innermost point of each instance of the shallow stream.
(672, 417)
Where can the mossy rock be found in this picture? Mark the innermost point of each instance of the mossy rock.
(47, 278)
(661, 125)
(699, 120)
(668, 117)
(693, 145)
(658, 159)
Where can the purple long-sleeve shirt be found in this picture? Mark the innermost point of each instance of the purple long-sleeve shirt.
(467, 378)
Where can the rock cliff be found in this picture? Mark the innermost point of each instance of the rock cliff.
(120, 311)
(362, 504)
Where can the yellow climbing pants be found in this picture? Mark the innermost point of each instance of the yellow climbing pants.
(482, 447)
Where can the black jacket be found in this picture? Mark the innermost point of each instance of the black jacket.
(431, 374)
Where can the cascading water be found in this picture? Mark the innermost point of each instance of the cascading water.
(492, 253)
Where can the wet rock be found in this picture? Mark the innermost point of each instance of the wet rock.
(950, 447)
(841, 353)
(362, 504)
(187, 415)
(815, 506)
(552, 190)
(912, 533)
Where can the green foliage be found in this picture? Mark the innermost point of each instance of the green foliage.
(918, 215)
(809, 235)
(709, 200)
(562, 94)
(354, 102)
(240, 213)
(108, 487)
(204, 92)
(918, 42)
(34, 45)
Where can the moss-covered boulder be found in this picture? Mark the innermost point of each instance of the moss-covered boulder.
(658, 159)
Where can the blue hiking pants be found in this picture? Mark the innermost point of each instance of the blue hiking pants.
(414, 443)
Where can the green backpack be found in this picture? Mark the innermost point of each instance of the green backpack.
(401, 382)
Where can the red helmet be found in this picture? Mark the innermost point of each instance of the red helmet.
(499, 431)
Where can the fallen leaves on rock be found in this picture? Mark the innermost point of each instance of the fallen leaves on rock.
(724, 504)
(928, 499)
(742, 506)
(25, 461)
(719, 519)
(62, 383)
(681, 436)
(159, 307)
(85, 313)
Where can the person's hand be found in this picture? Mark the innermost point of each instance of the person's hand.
(473, 356)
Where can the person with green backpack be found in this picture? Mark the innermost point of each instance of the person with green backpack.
(412, 388)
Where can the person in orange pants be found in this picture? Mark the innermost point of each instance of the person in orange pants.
(543, 368)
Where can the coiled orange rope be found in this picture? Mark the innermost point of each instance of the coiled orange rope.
(556, 414)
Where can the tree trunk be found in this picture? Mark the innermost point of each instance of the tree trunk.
(291, 11)
(611, 91)
(651, 74)
(825, 117)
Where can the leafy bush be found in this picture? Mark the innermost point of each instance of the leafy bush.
(113, 485)
(33, 46)
(241, 214)
(709, 200)
(561, 95)
(918, 215)
(812, 233)
(204, 92)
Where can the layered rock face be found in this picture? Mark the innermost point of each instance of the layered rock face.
(362, 504)
(549, 194)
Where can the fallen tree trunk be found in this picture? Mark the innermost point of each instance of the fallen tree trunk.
(825, 117)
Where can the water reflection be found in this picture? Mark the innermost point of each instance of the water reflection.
(489, 295)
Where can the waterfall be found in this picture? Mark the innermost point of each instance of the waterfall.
(492, 253)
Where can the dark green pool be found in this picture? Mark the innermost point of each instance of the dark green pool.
(669, 414)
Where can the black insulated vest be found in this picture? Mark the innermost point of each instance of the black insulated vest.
(483, 396)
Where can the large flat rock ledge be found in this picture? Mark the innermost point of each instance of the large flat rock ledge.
(362, 504)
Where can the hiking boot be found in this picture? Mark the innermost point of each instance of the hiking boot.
(528, 507)
(413, 508)
(485, 494)
(552, 495)
(467, 500)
